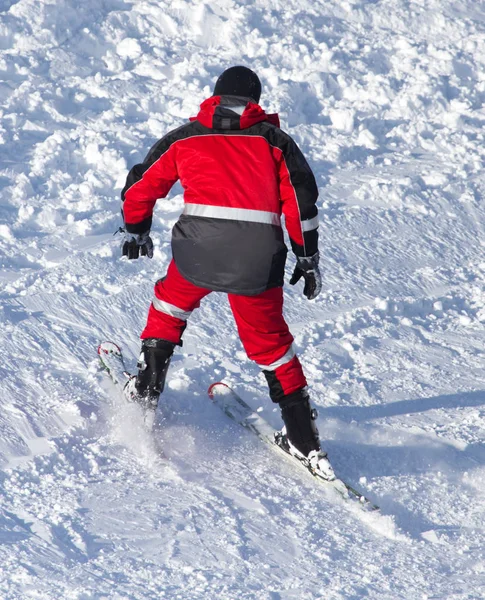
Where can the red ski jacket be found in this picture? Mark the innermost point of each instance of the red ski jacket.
(240, 172)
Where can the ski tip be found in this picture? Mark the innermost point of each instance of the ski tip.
(108, 348)
(212, 388)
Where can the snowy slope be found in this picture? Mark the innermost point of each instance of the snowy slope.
(386, 99)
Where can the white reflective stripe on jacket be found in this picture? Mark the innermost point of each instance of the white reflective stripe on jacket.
(310, 224)
(233, 214)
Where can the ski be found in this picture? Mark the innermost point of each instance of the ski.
(112, 361)
(240, 412)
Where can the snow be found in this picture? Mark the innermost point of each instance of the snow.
(386, 100)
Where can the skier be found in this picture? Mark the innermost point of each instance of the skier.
(239, 172)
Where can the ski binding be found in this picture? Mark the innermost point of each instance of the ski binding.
(240, 412)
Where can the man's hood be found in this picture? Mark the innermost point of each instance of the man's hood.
(232, 112)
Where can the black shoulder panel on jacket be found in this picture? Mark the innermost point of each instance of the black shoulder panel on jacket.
(303, 182)
(136, 173)
(301, 174)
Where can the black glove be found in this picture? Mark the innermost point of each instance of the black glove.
(307, 267)
(135, 244)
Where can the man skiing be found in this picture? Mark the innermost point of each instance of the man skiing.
(240, 172)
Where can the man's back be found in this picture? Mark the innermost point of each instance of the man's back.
(232, 163)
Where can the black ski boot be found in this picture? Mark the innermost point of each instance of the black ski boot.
(146, 387)
(299, 436)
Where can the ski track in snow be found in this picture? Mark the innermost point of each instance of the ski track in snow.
(385, 97)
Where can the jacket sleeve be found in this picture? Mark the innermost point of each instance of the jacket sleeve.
(298, 193)
(146, 183)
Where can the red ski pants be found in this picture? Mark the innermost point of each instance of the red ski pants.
(259, 320)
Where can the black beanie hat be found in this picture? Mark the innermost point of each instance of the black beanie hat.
(238, 81)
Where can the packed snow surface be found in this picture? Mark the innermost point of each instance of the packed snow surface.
(385, 98)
